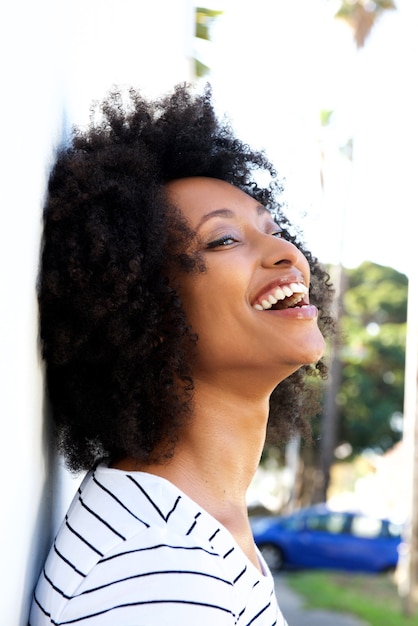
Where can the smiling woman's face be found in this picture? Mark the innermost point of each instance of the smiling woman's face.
(250, 308)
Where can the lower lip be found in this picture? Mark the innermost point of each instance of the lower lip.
(307, 312)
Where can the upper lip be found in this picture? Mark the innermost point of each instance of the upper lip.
(270, 287)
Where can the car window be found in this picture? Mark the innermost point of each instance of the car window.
(394, 530)
(292, 523)
(331, 522)
(364, 526)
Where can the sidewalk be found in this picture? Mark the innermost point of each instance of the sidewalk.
(292, 607)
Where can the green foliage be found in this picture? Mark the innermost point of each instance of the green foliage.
(200, 69)
(376, 294)
(372, 598)
(204, 19)
(326, 116)
(373, 330)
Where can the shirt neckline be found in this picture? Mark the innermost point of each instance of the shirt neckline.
(148, 476)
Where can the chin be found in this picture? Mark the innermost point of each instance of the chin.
(314, 352)
(316, 357)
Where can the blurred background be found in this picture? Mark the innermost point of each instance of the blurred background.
(327, 89)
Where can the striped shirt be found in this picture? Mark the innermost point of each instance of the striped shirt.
(134, 550)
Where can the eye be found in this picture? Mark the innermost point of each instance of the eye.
(274, 229)
(224, 241)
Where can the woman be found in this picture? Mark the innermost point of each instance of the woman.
(173, 301)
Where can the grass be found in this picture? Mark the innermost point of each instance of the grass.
(372, 598)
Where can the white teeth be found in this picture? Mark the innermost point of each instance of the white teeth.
(298, 288)
(280, 293)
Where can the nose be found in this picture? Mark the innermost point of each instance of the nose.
(281, 252)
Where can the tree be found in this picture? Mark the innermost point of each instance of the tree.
(362, 15)
(373, 328)
(204, 20)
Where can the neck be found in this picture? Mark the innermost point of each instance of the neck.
(216, 456)
(218, 450)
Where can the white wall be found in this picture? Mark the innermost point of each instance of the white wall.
(56, 58)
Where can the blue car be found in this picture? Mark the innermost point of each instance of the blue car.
(317, 537)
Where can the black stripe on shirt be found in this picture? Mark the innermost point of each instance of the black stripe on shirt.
(122, 606)
(156, 573)
(82, 538)
(194, 524)
(258, 614)
(54, 587)
(63, 558)
(151, 501)
(44, 611)
(156, 547)
(240, 574)
(228, 553)
(121, 504)
(97, 516)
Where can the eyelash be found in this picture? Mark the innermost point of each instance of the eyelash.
(222, 241)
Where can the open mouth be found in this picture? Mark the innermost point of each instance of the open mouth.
(283, 297)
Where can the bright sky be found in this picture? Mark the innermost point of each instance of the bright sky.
(276, 65)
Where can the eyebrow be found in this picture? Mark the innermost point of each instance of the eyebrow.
(228, 213)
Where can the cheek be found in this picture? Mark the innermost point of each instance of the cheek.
(192, 296)
(215, 286)
(211, 299)
(304, 266)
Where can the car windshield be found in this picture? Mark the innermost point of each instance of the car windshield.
(368, 527)
(292, 523)
(329, 522)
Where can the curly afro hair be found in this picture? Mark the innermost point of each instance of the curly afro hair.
(115, 340)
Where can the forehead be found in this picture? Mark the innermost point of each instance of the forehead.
(200, 197)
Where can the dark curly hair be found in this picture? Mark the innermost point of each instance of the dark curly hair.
(116, 343)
